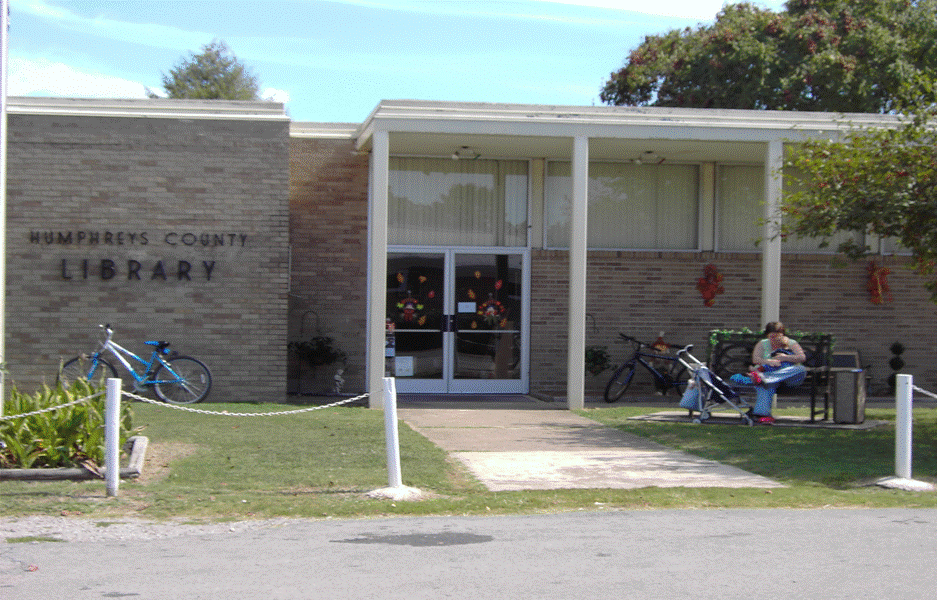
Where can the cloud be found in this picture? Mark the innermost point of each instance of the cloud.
(42, 77)
(149, 34)
(703, 10)
(275, 95)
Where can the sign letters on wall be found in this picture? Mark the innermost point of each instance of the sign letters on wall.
(132, 269)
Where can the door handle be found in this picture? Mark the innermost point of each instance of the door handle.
(449, 324)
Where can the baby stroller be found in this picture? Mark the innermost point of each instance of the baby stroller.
(706, 391)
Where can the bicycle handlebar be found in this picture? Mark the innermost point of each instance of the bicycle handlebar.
(641, 344)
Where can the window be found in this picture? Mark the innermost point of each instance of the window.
(444, 202)
(740, 202)
(631, 206)
(740, 207)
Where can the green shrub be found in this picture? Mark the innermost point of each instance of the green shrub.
(65, 437)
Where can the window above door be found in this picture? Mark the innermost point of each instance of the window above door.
(444, 202)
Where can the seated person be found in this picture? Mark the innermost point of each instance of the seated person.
(778, 361)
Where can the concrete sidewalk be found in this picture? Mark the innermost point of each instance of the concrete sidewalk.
(526, 444)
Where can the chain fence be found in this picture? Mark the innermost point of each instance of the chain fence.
(53, 408)
(224, 413)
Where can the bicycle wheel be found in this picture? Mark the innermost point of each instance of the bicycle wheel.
(87, 368)
(186, 381)
(680, 379)
(618, 384)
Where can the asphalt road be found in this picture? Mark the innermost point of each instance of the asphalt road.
(724, 554)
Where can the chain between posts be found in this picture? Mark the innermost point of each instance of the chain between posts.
(185, 408)
(52, 408)
(225, 413)
(923, 391)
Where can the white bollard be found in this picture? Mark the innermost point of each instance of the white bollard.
(904, 389)
(394, 478)
(112, 435)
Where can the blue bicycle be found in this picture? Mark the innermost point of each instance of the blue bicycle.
(174, 378)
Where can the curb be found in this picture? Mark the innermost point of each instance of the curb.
(137, 443)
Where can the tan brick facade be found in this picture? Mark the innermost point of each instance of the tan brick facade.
(167, 228)
(640, 293)
(328, 235)
(643, 293)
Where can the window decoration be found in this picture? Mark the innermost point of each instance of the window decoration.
(410, 309)
(710, 284)
(877, 283)
(491, 312)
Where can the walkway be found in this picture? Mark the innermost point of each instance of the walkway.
(525, 444)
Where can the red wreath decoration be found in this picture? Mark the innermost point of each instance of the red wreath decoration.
(709, 285)
(877, 283)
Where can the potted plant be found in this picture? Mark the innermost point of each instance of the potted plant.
(597, 359)
(318, 353)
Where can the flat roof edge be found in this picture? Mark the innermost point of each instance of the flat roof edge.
(149, 108)
(403, 110)
(331, 131)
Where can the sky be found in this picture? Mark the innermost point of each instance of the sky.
(334, 61)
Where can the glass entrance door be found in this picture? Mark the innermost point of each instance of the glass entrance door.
(457, 321)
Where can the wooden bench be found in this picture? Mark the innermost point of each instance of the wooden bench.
(730, 352)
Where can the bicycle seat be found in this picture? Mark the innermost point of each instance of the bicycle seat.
(160, 346)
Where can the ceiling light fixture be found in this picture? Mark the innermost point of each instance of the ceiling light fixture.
(465, 153)
(648, 157)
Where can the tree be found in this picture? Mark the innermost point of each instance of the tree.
(816, 55)
(881, 182)
(214, 74)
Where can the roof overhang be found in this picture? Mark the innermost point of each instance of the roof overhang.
(615, 133)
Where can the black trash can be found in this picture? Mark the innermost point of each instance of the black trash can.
(848, 391)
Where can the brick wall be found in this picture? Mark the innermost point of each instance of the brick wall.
(640, 293)
(328, 235)
(167, 228)
(643, 293)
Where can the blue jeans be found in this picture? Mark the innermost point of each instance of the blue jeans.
(789, 376)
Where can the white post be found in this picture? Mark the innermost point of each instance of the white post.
(112, 435)
(578, 244)
(903, 390)
(394, 478)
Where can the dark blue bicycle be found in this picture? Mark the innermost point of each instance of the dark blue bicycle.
(667, 372)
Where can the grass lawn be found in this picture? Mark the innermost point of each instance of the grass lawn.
(320, 464)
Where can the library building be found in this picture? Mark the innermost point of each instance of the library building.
(462, 248)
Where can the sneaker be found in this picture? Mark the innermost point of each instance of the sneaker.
(741, 379)
(765, 420)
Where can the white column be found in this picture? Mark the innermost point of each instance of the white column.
(771, 253)
(377, 266)
(4, 49)
(576, 343)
